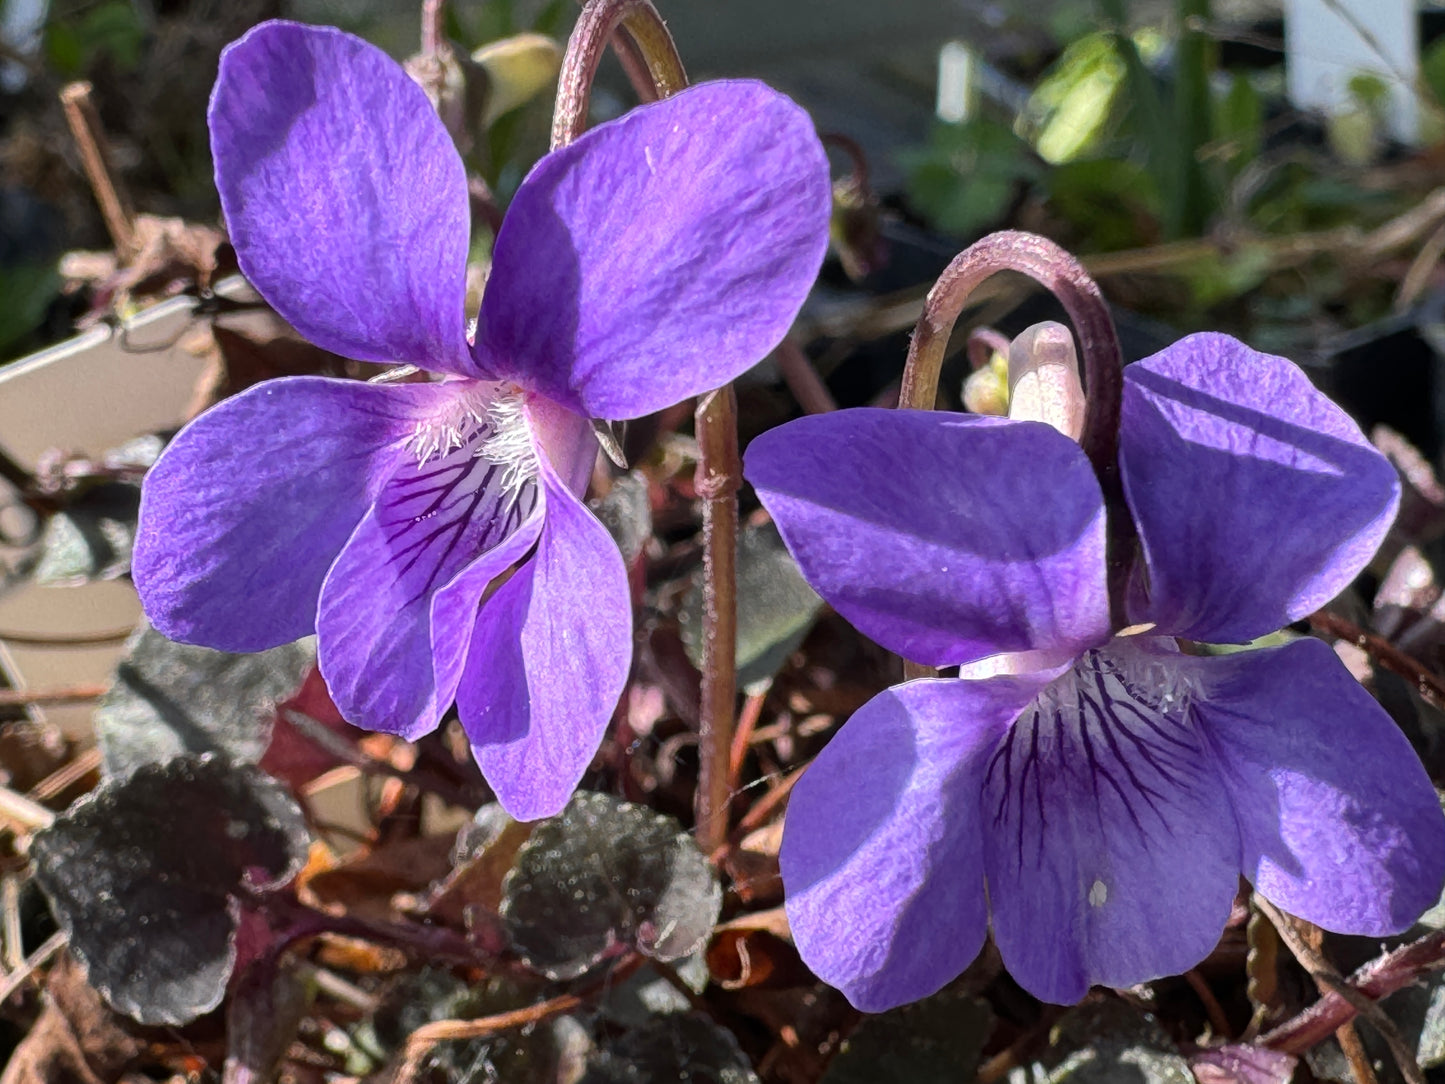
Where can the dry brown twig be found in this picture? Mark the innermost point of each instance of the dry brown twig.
(115, 205)
(1385, 654)
(1329, 980)
(441, 1031)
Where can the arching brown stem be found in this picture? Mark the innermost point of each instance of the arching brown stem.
(644, 38)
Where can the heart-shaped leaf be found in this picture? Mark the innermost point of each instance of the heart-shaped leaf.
(776, 607)
(170, 699)
(143, 873)
(605, 873)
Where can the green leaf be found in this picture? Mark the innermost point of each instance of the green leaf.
(1113, 203)
(1432, 69)
(1190, 202)
(604, 872)
(776, 608)
(969, 174)
(28, 290)
(1073, 103)
(171, 698)
(142, 874)
(1104, 1042)
(1239, 123)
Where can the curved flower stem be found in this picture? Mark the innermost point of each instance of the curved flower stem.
(645, 38)
(719, 468)
(1063, 276)
(433, 26)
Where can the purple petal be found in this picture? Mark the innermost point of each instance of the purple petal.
(243, 514)
(661, 254)
(883, 844)
(1112, 854)
(374, 625)
(1256, 498)
(1340, 824)
(343, 194)
(945, 538)
(548, 661)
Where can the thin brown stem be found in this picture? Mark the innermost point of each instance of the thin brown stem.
(68, 775)
(719, 468)
(851, 149)
(1355, 1054)
(441, 1031)
(742, 738)
(115, 207)
(433, 26)
(629, 53)
(766, 806)
(1212, 1008)
(33, 963)
(1376, 980)
(69, 639)
(719, 476)
(299, 922)
(803, 380)
(1389, 657)
(649, 41)
(427, 782)
(1302, 939)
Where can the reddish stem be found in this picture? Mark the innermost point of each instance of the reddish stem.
(719, 468)
(1375, 980)
(647, 40)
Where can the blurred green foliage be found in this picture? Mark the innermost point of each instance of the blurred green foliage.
(112, 29)
(1135, 137)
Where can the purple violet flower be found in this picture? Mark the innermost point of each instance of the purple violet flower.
(1090, 791)
(656, 257)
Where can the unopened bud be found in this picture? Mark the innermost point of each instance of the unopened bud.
(986, 389)
(518, 69)
(1043, 379)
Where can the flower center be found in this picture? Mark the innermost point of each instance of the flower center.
(1120, 673)
(487, 419)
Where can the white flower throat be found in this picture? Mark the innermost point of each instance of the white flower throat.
(490, 422)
